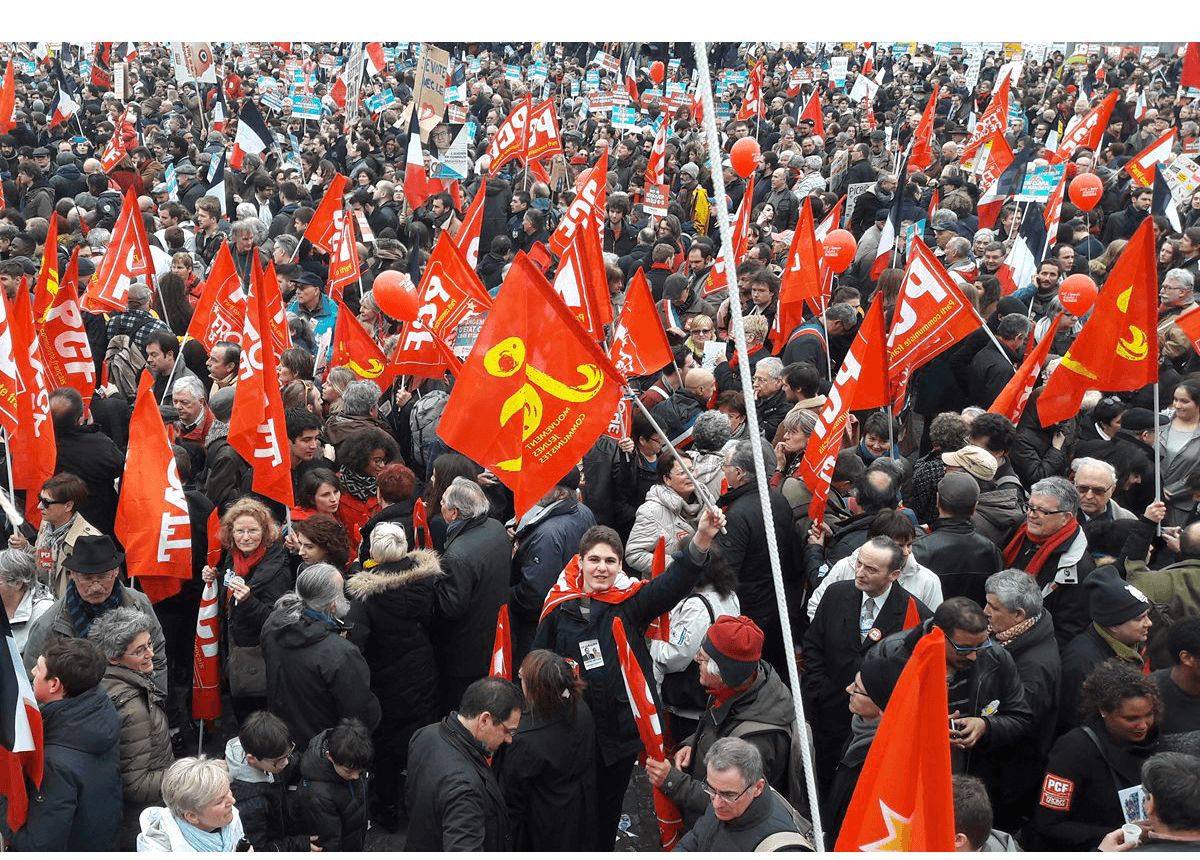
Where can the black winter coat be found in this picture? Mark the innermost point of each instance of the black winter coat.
(477, 563)
(261, 802)
(744, 544)
(452, 795)
(400, 513)
(269, 580)
(1083, 654)
(332, 809)
(989, 372)
(962, 558)
(96, 459)
(548, 776)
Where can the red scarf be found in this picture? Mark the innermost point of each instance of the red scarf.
(1047, 548)
(721, 695)
(570, 587)
(243, 564)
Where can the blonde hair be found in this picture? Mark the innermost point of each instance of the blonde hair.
(249, 507)
(191, 784)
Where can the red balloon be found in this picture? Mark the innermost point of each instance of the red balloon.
(839, 248)
(657, 72)
(1085, 190)
(1077, 294)
(744, 156)
(394, 293)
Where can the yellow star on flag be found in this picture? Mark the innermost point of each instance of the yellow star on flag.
(899, 832)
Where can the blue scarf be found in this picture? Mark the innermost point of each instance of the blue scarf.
(219, 840)
(84, 613)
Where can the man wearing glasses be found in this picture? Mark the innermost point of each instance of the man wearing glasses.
(1175, 296)
(1095, 481)
(745, 813)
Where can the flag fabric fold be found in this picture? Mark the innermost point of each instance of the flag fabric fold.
(502, 654)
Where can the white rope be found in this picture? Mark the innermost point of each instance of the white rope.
(801, 735)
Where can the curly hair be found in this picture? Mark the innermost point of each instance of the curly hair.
(947, 432)
(1111, 683)
(329, 535)
(396, 483)
(357, 447)
(249, 507)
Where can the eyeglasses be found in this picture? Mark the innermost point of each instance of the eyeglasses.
(727, 796)
(967, 649)
(1040, 512)
(140, 652)
(43, 502)
(246, 532)
(280, 760)
(1095, 491)
(702, 331)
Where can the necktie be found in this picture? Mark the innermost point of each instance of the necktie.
(868, 617)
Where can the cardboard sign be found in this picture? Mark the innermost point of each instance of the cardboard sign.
(1183, 177)
(306, 107)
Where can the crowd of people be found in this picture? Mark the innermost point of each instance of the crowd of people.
(357, 627)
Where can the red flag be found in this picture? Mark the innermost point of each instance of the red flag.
(449, 290)
(1117, 349)
(467, 239)
(544, 140)
(585, 211)
(903, 800)
(922, 150)
(639, 344)
(801, 279)
(21, 732)
(152, 514)
(641, 701)
(326, 224)
(994, 119)
(1011, 401)
(534, 394)
(8, 99)
(354, 348)
(47, 282)
(1054, 212)
(812, 112)
(631, 82)
(512, 138)
(127, 257)
(66, 351)
(931, 316)
(752, 103)
(421, 526)
(256, 427)
(343, 262)
(1188, 77)
(660, 627)
(862, 367)
(376, 59)
(417, 187)
(657, 159)
(741, 222)
(582, 283)
(221, 308)
(10, 381)
(34, 450)
(281, 335)
(1089, 130)
(1189, 321)
(421, 354)
(502, 655)
(206, 669)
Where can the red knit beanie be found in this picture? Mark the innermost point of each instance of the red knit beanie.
(734, 643)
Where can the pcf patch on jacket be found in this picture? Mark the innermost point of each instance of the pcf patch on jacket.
(1056, 792)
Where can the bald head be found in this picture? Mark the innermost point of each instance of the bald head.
(700, 382)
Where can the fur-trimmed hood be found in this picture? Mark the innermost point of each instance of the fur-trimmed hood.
(418, 564)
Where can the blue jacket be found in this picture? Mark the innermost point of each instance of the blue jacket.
(322, 320)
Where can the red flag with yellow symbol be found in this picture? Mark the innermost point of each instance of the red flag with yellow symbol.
(127, 257)
(903, 800)
(152, 514)
(535, 392)
(354, 348)
(47, 282)
(1117, 349)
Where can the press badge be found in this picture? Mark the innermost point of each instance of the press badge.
(589, 649)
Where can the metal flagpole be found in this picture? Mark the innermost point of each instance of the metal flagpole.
(1157, 459)
(14, 514)
(702, 489)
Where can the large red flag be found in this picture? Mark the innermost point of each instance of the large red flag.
(326, 224)
(752, 103)
(1141, 166)
(502, 655)
(1117, 349)
(512, 138)
(66, 350)
(34, 449)
(658, 156)
(922, 148)
(206, 668)
(354, 348)
(931, 316)
(586, 210)
(993, 120)
(127, 257)
(544, 140)
(812, 112)
(467, 239)
(535, 392)
(419, 353)
(221, 308)
(256, 427)
(903, 800)
(8, 100)
(801, 279)
(343, 262)
(582, 283)
(1089, 130)
(1188, 77)
(10, 381)
(449, 291)
(277, 322)
(863, 367)
(639, 344)
(641, 701)
(1011, 401)
(152, 513)
(47, 282)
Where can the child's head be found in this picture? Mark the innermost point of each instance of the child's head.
(349, 749)
(266, 742)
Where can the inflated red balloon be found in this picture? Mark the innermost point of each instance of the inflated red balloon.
(744, 156)
(394, 293)
(838, 251)
(657, 72)
(1085, 190)
(1077, 294)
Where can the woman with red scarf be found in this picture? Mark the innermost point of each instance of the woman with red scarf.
(255, 572)
(1050, 546)
(577, 622)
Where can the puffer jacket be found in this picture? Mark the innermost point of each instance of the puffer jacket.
(664, 513)
(260, 802)
(160, 831)
(145, 745)
(334, 809)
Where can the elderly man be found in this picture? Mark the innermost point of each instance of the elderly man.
(315, 308)
(810, 341)
(962, 557)
(745, 815)
(1051, 546)
(195, 418)
(94, 589)
(136, 321)
(1176, 296)
(1018, 623)
(1095, 481)
(769, 396)
(679, 411)
(781, 198)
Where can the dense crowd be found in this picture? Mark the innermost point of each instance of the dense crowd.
(1061, 563)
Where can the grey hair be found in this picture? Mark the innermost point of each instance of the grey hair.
(1092, 463)
(1062, 490)
(318, 586)
(985, 235)
(466, 497)
(742, 457)
(960, 246)
(770, 365)
(1016, 590)
(116, 629)
(17, 568)
(191, 784)
(288, 242)
(841, 312)
(367, 301)
(711, 431)
(360, 397)
(1180, 276)
(736, 754)
(189, 383)
(242, 228)
(388, 542)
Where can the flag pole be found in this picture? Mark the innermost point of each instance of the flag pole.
(171, 375)
(702, 489)
(1157, 459)
(12, 492)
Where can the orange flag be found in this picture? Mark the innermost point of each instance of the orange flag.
(467, 239)
(34, 450)
(1089, 130)
(639, 344)
(582, 283)
(535, 392)
(502, 655)
(903, 800)
(354, 348)
(1011, 401)
(1117, 349)
(343, 263)
(66, 350)
(586, 210)
(152, 513)
(127, 257)
(912, 615)
(47, 282)
(449, 289)
(922, 149)
(326, 224)
(281, 335)
(511, 140)
(421, 354)
(222, 305)
(827, 437)
(256, 426)
(801, 279)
